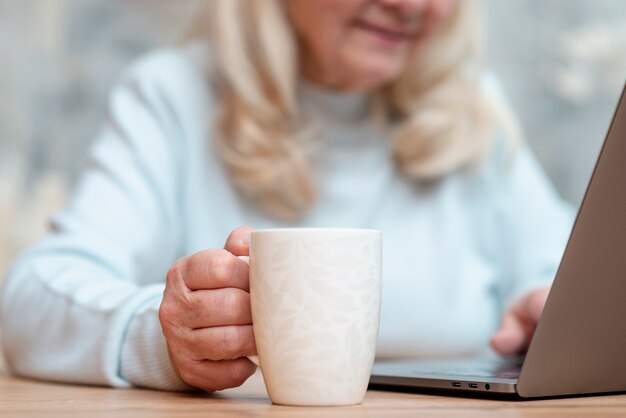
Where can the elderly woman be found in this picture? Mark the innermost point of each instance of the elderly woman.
(346, 113)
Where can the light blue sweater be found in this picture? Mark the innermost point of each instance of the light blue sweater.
(82, 305)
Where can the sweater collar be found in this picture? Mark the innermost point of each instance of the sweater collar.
(320, 102)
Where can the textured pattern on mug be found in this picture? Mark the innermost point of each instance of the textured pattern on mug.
(320, 300)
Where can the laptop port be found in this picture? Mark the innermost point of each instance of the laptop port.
(472, 385)
(456, 384)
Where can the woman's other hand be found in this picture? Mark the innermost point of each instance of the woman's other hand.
(519, 323)
(206, 318)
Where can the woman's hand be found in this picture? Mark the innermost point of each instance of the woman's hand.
(206, 318)
(519, 323)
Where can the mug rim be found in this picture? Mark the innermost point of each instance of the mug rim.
(314, 229)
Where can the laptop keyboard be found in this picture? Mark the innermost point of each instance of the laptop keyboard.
(502, 374)
(485, 369)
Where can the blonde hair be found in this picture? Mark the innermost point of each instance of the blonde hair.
(443, 118)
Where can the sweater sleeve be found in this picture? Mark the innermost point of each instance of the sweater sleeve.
(82, 305)
(534, 224)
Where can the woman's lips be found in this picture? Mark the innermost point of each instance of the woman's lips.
(392, 35)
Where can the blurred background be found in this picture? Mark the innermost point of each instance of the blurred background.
(562, 64)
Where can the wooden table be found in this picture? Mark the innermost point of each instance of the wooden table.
(24, 398)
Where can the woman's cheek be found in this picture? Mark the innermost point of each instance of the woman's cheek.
(440, 11)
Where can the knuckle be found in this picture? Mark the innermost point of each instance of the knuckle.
(172, 331)
(166, 313)
(222, 266)
(194, 303)
(191, 340)
(196, 263)
(187, 374)
(235, 303)
(232, 341)
(175, 274)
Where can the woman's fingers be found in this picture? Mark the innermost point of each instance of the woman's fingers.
(519, 323)
(210, 269)
(511, 337)
(215, 268)
(206, 317)
(217, 375)
(214, 308)
(221, 343)
(531, 306)
(238, 242)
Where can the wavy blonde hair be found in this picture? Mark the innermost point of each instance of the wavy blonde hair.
(442, 118)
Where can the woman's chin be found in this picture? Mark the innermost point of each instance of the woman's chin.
(372, 80)
(373, 73)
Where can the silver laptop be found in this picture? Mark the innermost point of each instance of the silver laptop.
(579, 346)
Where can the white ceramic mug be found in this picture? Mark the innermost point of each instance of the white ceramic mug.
(315, 296)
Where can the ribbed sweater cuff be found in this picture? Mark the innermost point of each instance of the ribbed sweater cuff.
(144, 357)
